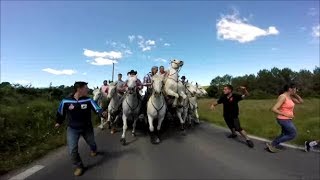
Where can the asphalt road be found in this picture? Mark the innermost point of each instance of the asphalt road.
(204, 153)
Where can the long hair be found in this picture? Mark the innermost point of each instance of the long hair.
(287, 87)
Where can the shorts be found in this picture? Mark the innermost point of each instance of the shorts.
(233, 123)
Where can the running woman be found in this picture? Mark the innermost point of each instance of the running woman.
(284, 110)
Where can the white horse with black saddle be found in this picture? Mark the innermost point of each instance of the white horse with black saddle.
(130, 107)
(156, 108)
(114, 106)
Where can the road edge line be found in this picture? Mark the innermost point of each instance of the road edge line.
(266, 140)
(27, 172)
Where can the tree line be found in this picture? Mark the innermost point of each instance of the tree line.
(268, 83)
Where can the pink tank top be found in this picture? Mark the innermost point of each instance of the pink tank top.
(287, 107)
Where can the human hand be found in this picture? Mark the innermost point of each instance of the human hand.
(57, 125)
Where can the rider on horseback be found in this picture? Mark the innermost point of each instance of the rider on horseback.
(147, 81)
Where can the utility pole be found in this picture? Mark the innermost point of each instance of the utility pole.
(112, 71)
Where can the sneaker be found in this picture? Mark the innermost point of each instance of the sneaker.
(250, 143)
(232, 136)
(306, 146)
(78, 171)
(272, 148)
(93, 153)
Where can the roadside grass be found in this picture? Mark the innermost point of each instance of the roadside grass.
(257, 119)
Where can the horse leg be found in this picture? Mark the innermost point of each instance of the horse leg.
(151, 128)
(134, 126)
(160, 120)
(123, 137)
(174, 94)
(181, 122)
(197, 115)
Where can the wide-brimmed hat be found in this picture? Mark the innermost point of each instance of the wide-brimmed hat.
(132, 72)
(183, 77)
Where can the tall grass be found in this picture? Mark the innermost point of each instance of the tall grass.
(257, 119)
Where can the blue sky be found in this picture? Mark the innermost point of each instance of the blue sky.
(61, 42)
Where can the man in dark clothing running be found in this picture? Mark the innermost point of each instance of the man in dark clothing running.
(78, 108)
(230, 102)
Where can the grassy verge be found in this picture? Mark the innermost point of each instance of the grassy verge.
(257, 119)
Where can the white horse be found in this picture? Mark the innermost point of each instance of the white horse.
(98, 97)
(130, 107)
(183, 106)
(171, 81)
(114, 106)
(192, 92)
(156, 108)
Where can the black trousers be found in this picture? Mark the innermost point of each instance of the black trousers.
(233, 123)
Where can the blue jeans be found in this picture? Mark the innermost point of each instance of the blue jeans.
(288, 132)
(73, 136)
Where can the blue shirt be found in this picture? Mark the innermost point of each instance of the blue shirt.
(78, 112)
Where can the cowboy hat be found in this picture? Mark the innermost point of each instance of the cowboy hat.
(132, 72)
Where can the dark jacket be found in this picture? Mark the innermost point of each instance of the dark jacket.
(77, 112)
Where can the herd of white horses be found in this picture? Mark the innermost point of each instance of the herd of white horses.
(169, 96)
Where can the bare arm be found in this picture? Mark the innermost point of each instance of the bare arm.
(245, 92)
(297, 99)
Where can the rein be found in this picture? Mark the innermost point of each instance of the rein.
(132, 109)
(158, 110)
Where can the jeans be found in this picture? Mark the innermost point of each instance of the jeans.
(73, 136)
(288, 132)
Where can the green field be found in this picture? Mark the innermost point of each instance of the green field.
(257, 119)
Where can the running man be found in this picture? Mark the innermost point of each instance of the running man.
(230, 102)
(78, 108)
(147, 81)
(284, 110)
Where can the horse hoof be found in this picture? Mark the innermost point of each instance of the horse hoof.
(123, 141)
(157, 141)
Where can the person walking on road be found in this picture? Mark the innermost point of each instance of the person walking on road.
(230, 102)
(78, 108)
(284, 110)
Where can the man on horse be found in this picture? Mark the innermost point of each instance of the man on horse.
(147, 81)
(139, 84)
(162, 72)
(104, 88)
(183, 80)
(120, 84)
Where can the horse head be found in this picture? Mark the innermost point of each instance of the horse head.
(157, 84)
(96, 94)
(191, 88)
(112, 90)
(132, 84)
(176, 64)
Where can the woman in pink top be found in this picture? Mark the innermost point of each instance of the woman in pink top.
(284, 110)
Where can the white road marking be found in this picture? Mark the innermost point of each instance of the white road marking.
(27, 173)
(267, 140)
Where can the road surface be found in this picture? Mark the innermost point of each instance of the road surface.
(204, 153)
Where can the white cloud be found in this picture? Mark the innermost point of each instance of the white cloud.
(316, 31)
(150, 42)
(128, 51)
(100, 61)
(85, 73)
(114, 55)
(131, 38)
(167, 44)
(59, 72)
(146, 45)
(161, 60)
(22, 82)
(231, 27)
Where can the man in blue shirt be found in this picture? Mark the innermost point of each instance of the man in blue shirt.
(77, 108)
